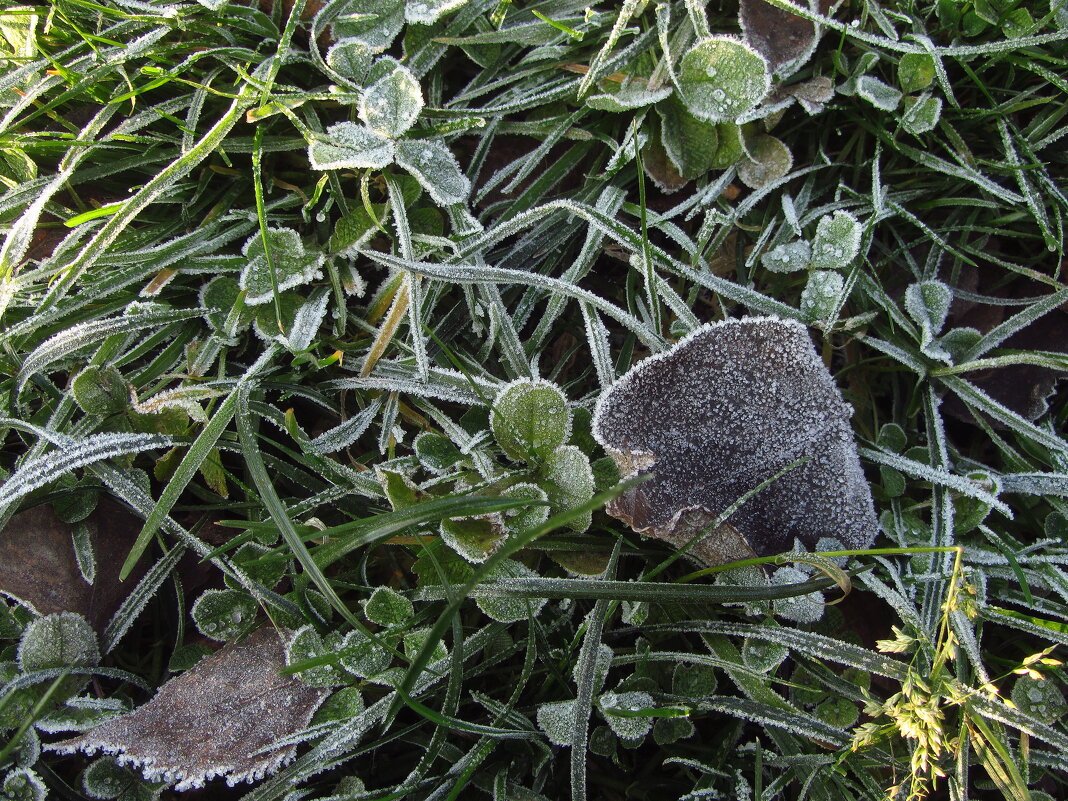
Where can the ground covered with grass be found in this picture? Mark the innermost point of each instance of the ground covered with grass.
(317, 443)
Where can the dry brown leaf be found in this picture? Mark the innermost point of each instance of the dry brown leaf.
(38, 565)
(213, 719)
(726, 409)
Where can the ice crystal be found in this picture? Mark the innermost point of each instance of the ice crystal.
(212, 720)
(391, 105)
(434, 166)
(722, 412)
(557, 720)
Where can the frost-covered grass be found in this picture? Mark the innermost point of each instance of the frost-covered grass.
(327, 296)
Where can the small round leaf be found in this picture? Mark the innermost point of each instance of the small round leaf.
(721, 78)
(100, 390)
(222, 614)
(530, 419)
(387, 607)
(63, 639)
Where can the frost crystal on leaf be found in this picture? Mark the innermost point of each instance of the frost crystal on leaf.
(427, 12)
(510, 610)
(788, 258)
(387, 607)
(800, 608)
(921, 114)
(530, 419)
(629, 728)
(222, 614)
(350, 58)
(769, 160)
(722, 78)
(213, 719)
(820, 298)
(567, 479)
(375, 22)
(837, 241)
(725, 410)
(434, 166)
(392, 104)
(63, 639)
(557, 720)
(348, 146)
(879, 94)
(632, 96)
(293, 266)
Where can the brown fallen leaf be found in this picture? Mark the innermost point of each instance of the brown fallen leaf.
(786, 40)
(725, 410)
(39, 568)
(213, 719)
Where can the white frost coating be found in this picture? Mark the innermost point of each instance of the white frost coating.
(788, 257)
(211, 720)
(306, 323)
(727, 408)
(769, 161)
(510, 610)
(879, 94)
(627, 728)
(63, 639)
(820, 297)
(348, 146)
(391, 105)
(721, 78)
(432, 164)
(340, 437)
(632, 96)
(557, 720)
(799, 608)
(293, 265)
(42, 470)
(185, 398)
(837, 241)
(427, 12)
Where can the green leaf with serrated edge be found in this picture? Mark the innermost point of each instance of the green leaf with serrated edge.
(821, 295)
(387, 607)
(915, 72)
(530, 419)
(788, 257)
(436, 452)
(350, 146)
(286, 257)
(391, 105)
(768, 161)
(721, 78)
(473, 538)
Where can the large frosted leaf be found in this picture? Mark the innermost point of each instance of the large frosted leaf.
(530, 419)
(349, 146)
(392, 103)
(292, 264)
(212, 719)
(434, 166)
(690, 143)
(722, 412)
(722, 78)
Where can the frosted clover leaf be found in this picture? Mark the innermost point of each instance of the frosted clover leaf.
(928, 304)
(821, 295)
(387, 607)
(436, 169)
(557, 720)
(837, 241)
(293, 265)
(427, 12)
(722, 78)
(222, 614)
(721, 413)
(768, 160)
(879, 94)
(800, 608)
(921, 114)
(348, 146)
(530, 419)
(626, 726)
(219, 718)
(63, 639)
(511, 610)
(567, 479)
(788, 258)
(1041, 698)
(391, 105)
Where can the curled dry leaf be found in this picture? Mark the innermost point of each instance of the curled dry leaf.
(213, 719)
(725, 410)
